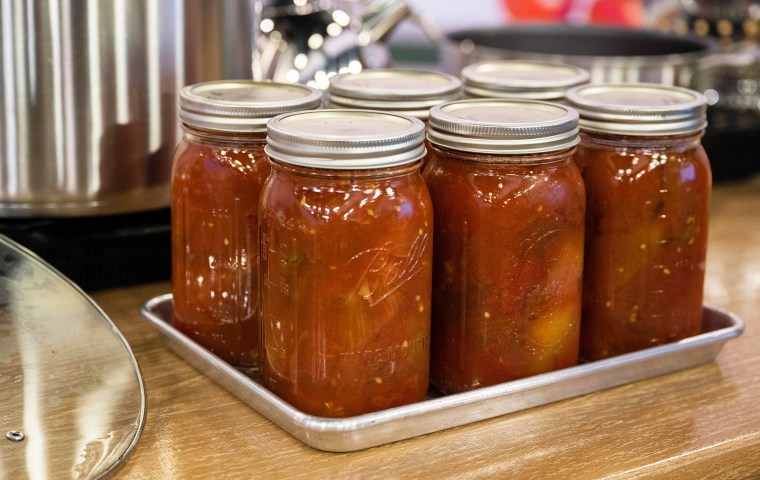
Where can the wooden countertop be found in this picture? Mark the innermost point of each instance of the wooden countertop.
(690, 424)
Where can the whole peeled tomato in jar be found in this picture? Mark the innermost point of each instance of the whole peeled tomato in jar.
(648, 187)
(219, 169)
(346, 264)
(508, 257)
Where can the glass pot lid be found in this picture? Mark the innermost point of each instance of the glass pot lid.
(72, 399)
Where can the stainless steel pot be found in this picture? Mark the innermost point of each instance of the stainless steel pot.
(88, 96)
(610, 54)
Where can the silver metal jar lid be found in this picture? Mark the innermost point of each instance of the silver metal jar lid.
(411, 92)
(641, 109)
(345, 139)
(242, 105)
(501, 126)
(521, 79)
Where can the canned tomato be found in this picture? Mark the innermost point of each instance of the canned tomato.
(219, 169)
(346, 241)
(509, 217)
(648, 185)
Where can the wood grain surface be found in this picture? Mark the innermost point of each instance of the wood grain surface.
(703, 422)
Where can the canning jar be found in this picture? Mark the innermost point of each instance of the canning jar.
(509, 211)
(219, 169)
(395, 90)
(521, 79)
(648, 187)
(346, 263)
(405, 91)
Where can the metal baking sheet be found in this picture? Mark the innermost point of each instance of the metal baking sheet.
(439, 412)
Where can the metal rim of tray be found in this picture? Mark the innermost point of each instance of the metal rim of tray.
(431, 415)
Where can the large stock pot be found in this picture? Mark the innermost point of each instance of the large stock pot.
(610, 54)
(88, 97)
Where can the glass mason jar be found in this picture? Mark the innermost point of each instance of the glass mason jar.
(648, 187)
(404, 91)
(521, 79)
(346, 262)
(219, 169)
(509, 217)
(395, 90)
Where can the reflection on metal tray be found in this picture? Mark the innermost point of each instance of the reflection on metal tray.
(435, 413)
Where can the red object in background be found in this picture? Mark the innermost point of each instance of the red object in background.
(537, 10)
(628, 13)
(618, 12)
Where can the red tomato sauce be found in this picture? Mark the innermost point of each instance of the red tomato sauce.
(215, 245)
(347, 266)
(507, 267)
(646, 241)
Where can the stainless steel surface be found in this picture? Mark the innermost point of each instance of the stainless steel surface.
(72, 399)
(15, 436)
(88, 93)
(310, 40)
(609, 54)
(731, 81)
(442, 412)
